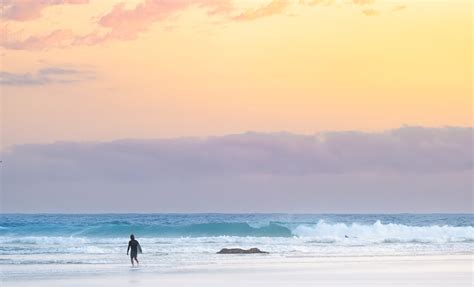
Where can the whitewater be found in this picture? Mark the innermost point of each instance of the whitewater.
(173, 241)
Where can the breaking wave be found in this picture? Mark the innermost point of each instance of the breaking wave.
(385, 233)
(321, 232)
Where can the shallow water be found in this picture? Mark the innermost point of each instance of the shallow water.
(171, 241)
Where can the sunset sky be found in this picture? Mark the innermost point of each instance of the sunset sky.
(100, 70)
(78, 77)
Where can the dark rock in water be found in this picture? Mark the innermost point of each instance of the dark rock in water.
(240, 251)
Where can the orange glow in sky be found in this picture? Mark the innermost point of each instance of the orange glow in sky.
(101, 70)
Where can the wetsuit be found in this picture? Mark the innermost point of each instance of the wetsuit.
(134, 247)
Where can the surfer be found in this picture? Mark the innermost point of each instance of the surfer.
(134, 247)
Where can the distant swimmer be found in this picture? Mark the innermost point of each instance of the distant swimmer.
(134, 247)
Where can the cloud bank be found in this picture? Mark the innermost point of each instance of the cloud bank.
(410, 162)
(404, 150)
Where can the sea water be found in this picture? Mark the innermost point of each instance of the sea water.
(49, 244)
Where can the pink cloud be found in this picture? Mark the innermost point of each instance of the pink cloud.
(29, 10)
(122, 24)
(57, 38)
(92, 38)
(274, 7)
(125, 24)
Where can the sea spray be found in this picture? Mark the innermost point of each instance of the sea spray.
(391, 232)
(168, 238)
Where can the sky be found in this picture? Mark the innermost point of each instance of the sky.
(204, 105)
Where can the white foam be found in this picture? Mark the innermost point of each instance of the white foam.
(385, 233)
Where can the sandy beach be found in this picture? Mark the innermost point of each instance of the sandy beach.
(228, 143)
(257, 270)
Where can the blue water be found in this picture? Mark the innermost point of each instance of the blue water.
(202, 225)
(176, 240)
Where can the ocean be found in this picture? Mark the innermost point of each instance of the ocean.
(36, 245)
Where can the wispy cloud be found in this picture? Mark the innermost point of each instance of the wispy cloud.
(398, 8)
(57, 38)
(26, 10)
(272, 8)
(45, 76)
(127, 24)
(122, 23)
(370, 12)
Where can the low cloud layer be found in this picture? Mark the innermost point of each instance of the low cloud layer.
(411, 160)
(45, 76)
(404, 150)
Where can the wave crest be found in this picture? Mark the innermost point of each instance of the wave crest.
(385, 233)
(123, 229)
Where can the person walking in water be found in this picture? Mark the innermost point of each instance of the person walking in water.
(134, 247)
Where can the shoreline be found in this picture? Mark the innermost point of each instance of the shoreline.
(424, 270)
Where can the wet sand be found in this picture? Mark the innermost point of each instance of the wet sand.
(448, 270)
